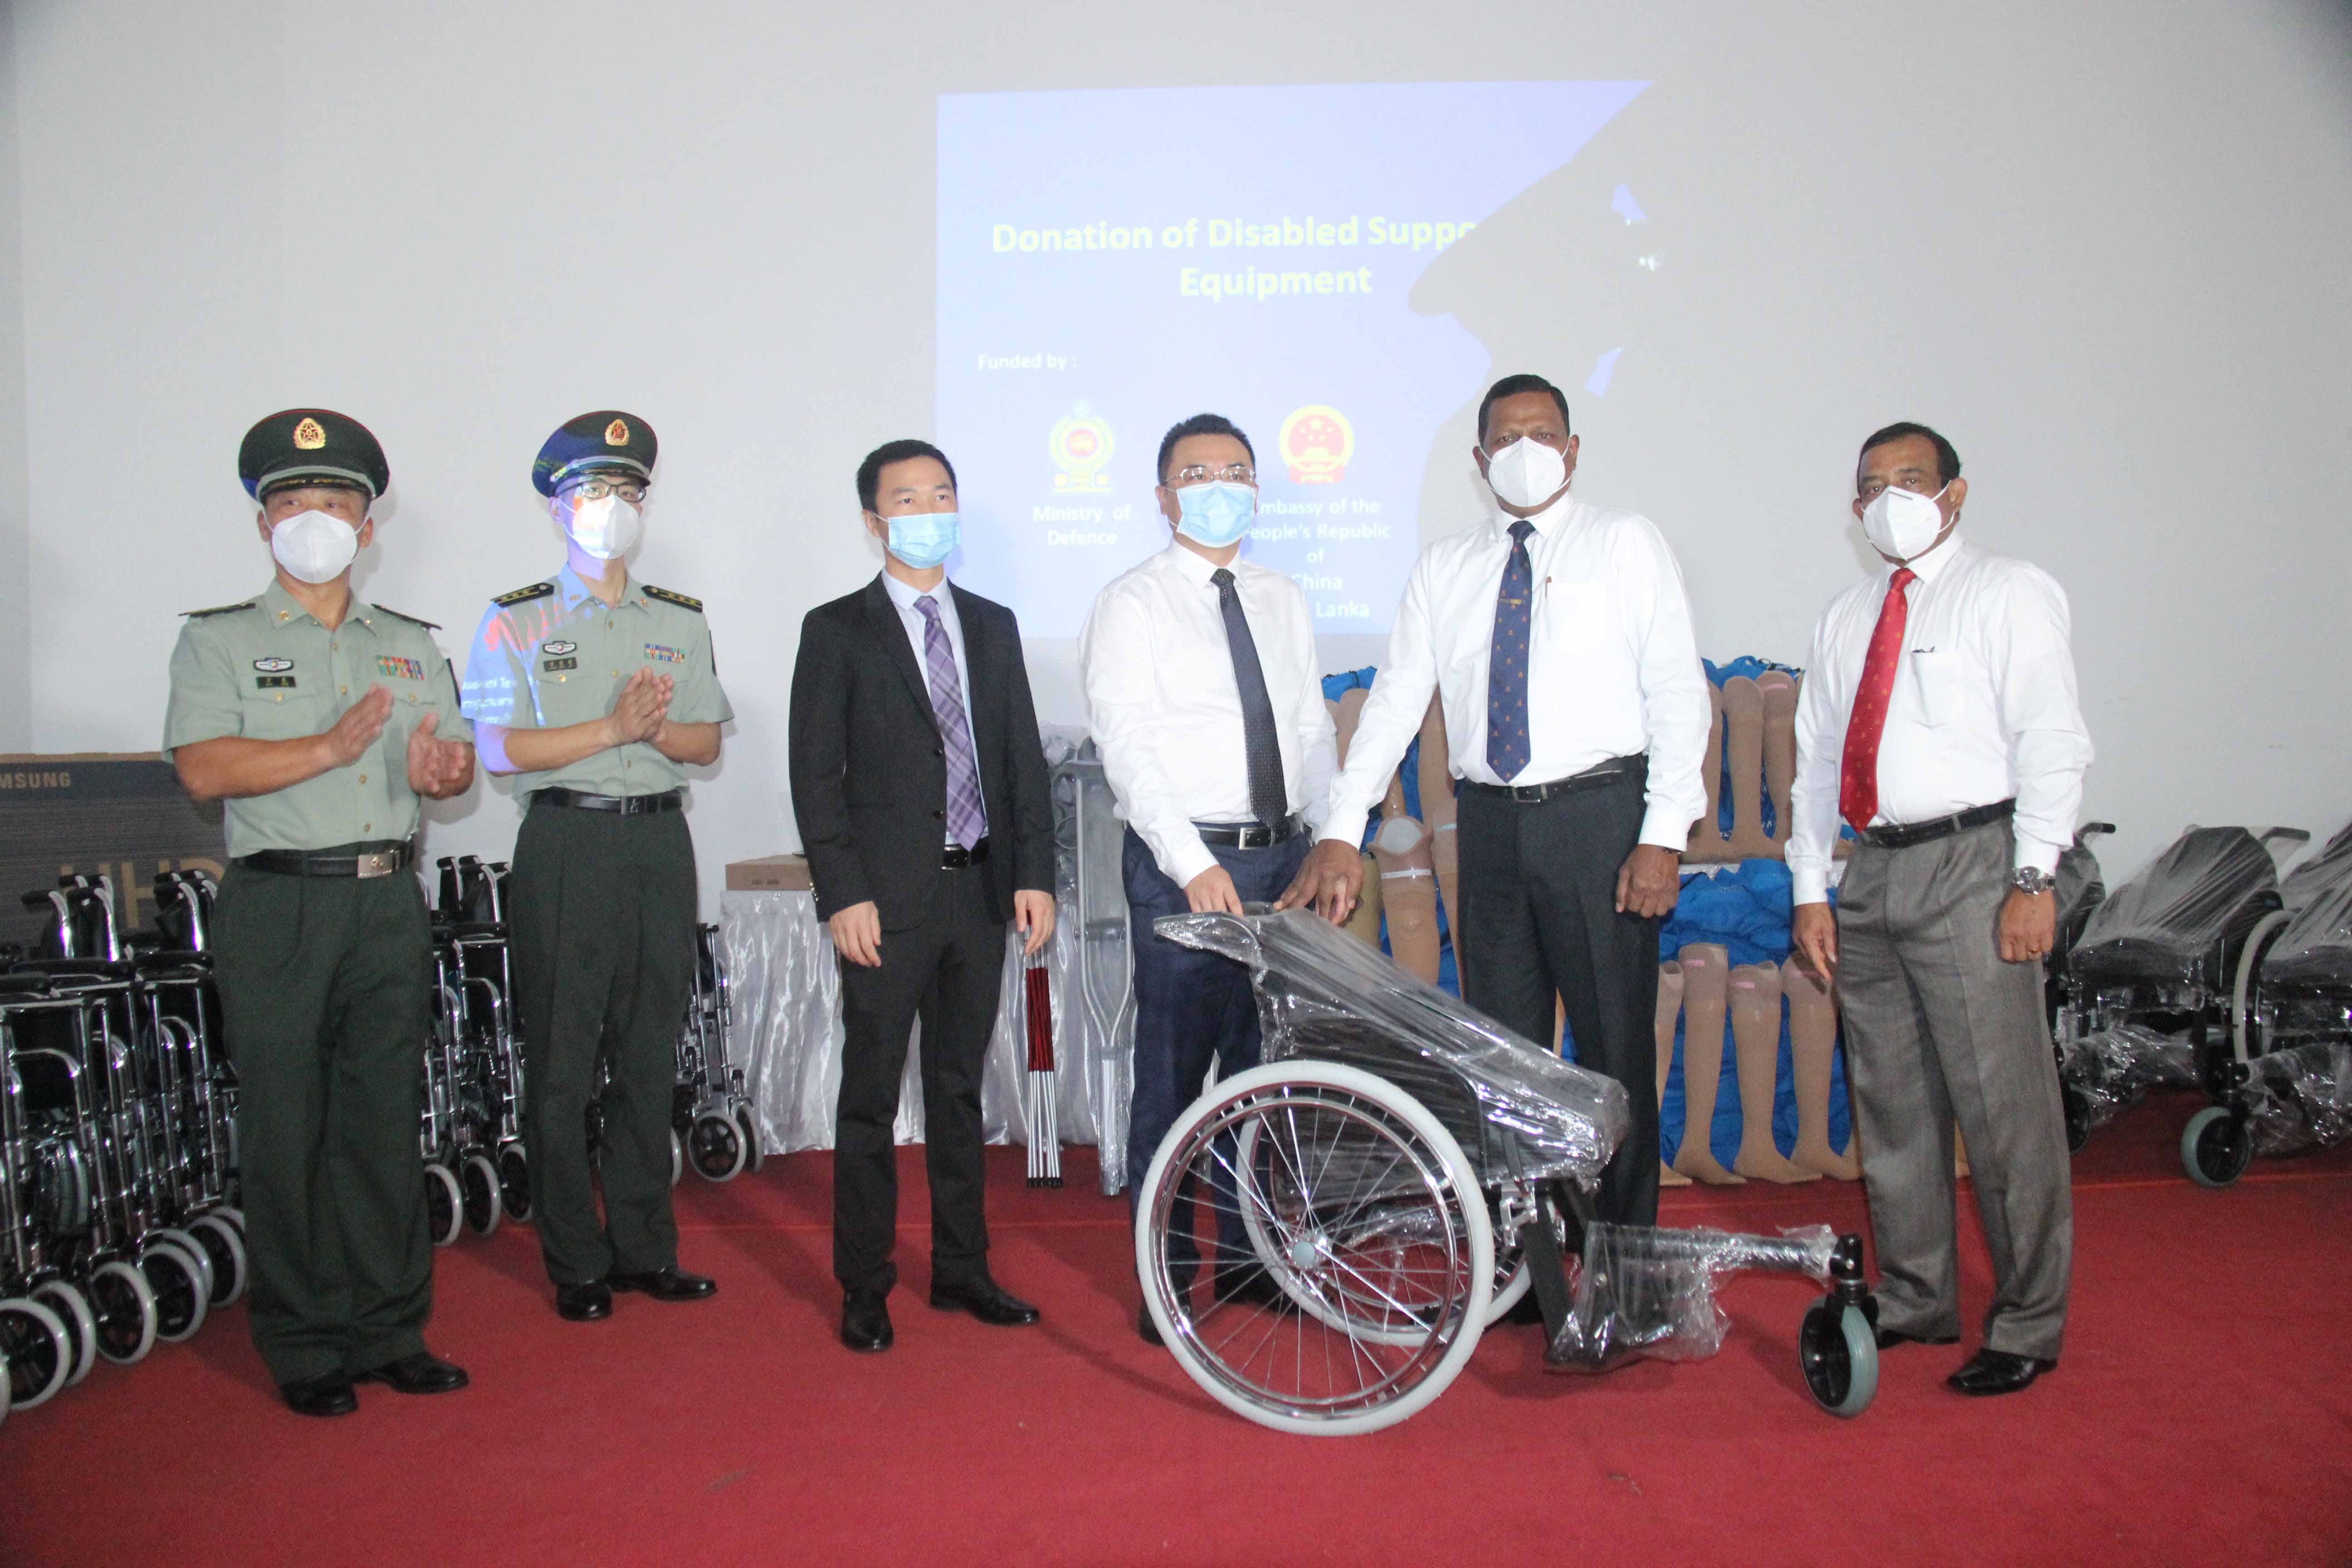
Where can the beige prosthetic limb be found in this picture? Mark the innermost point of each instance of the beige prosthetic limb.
(1779, 694)
(1364, 922)
(1813, 1046)
(1743, 722)
(1706, 976)
(1407, 885)
(1670, 1007)
(1705, 839)
(1436, 779)
(1756, 1034)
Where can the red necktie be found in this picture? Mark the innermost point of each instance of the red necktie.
(1858, 776)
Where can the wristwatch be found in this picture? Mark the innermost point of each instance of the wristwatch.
(2031, 880)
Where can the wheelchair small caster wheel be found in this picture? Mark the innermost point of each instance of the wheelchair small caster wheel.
(2078, 1119)
(1838, 1352)
(72, 1309)
(2216, 1147)
(189, 1245)
(124, 1304)
(224, 1246)
(478, 1181)
(677, 1158)
(514, 1183)
(752, 1158)
(181, 1289)
(37, 1352)
(715, 1145)
(445, 1205)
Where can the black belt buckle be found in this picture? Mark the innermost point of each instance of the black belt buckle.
(956, 857)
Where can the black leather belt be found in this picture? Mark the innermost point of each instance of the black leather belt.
(1593, 777)
(379, 857)
(955, 856)
(627, 805)
(1250, 835)
(1902, 836)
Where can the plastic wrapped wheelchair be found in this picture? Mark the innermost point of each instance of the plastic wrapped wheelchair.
(1322, 1238)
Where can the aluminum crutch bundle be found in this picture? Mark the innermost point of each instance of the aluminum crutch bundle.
(1041, 1089)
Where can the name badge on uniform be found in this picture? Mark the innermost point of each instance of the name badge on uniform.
(273, 676)
(399, 668)
(553, 662)
(662, 653)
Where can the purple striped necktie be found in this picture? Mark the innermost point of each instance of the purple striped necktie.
(967, 819)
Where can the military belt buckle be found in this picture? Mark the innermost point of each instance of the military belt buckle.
(375, 863)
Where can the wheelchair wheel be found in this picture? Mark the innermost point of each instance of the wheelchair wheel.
(1368, 1218)
(125, 1306)
(715, 1144)
(477, 1184)
(514, 1183)
(37, 1349)
(445, 1204)
(752, 1158)
(188, 1244)
(2216, 1147)
(677, 1158)
(72, 1309)
(224, 1250)
(182, 1294)
(1838, 1353)
(2077, 1106)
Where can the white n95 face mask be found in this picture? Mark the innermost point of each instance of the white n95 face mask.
(1526, 472)
(314, 546)
(605, 528)
(1902, 523)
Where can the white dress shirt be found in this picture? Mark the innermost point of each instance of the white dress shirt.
(903, 595)
(1613, 667)
(1983, 707)
(1166, 710)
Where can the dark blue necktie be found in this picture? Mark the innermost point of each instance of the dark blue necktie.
(1507, 666)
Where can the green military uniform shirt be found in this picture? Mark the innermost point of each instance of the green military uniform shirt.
(269, 670)
(553, 655)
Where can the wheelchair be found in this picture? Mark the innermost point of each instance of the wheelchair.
(2174, 952)
(118, 1226)
(2295, 1008)
(711, 1116)
(2080, 889)
(1323, 1238)
(477, 1168)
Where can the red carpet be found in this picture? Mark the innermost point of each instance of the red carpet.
(2203, 1414)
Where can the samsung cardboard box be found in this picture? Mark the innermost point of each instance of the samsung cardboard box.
(121, 816)
(769, 873)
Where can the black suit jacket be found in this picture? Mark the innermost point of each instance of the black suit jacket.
(869, 770)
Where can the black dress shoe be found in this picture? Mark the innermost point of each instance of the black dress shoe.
(1889, 1338)
(1248, 1284)
(584, 1302)
(329, 1393)
(665, 1284)
(865, 1322)
(1998, 1372)
(985, 1298)
(422, 1372)
(1147, 1330)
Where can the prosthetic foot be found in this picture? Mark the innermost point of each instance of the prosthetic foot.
(1707, 839)
(1364, 922)
(1779, 694)
(1707, 974)
(1670, 1007)
(1407, 885)
(1812, 1045)
(1743, 722)
(1437, 811)
(1756, 1034)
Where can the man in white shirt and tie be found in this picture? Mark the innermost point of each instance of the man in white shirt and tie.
(1576, 717)
(1939, 719)
(1207, 706)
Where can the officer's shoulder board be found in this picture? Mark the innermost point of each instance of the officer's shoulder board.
(412, 620)
(219, 609)
(666, 597)
(524, 595)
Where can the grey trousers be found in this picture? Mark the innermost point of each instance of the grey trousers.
(1939, 1029)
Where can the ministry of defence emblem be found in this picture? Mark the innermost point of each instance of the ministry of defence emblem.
(616, 434)
(1317, 442)
(308, 435)
(1081, 447)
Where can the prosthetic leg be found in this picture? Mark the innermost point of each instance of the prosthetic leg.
(1756, 1034)
(1670, 1007)
(1437, 810)
(1743, 718)
(1407, 885)
(1707, 974)
(1364, 922)
(1707, 839)
(1780, 693)
(1813, 1044)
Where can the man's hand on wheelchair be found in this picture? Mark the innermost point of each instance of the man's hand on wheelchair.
(1813, 934)
(1213, 893)
(1331, 880)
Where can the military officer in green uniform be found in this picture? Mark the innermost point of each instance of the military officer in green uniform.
(321, 719)
(597, 692)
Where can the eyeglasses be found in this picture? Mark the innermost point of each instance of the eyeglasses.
(629, 491)
(1201, 474)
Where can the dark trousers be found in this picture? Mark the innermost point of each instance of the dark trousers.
(323, 984)
(602, 910)
(1540, 917)
(947, 969)
(1191, 1008)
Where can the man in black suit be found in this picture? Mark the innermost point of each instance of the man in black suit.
(921, 792)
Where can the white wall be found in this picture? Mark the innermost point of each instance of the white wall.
(2102, 245)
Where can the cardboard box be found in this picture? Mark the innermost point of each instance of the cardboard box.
(769, 873)
(124, 817)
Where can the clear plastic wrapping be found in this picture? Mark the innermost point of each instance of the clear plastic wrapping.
(2302, 1099)
(2113, 1068)
(2168, 921)
(1518, 1111)
(2314, 950)
(1643, 1292)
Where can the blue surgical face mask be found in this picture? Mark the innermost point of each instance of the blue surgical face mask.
(1215, 514)
(923, 539)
